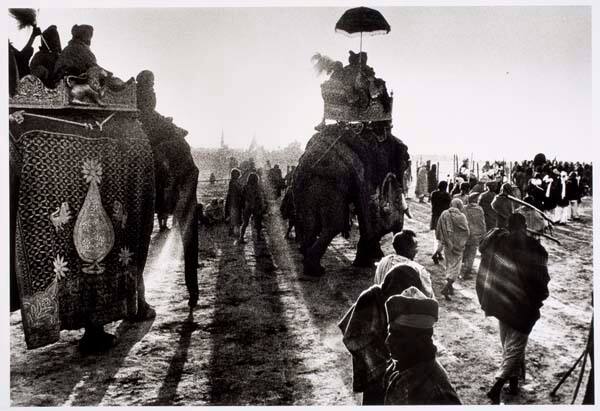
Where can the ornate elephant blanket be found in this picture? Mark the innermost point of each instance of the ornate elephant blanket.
(85, 209)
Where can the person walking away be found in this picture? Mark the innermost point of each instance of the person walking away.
(536, 191)
(550, 200)
(535, 222)
(432, 179)
(512, 284)
(253, 205)
(364, 328)
(573, 195)
(407, 176)
(233, 203)
(287, 211)
(477, 229)
(503, 206)
(478, 187)
(485, 201)
(421, 188)
(464, 193)
(452, 232)
(405, 246)
(440, 201)
(414, 376)
(562, 203)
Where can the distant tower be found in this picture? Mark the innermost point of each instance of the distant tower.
(222, 139)
(253, 144)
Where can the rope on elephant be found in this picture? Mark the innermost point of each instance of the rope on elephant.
(89, 126)
(356, 131)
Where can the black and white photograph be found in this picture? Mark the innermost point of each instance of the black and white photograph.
(299, 203)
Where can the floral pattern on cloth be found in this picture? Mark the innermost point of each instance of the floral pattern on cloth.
(125, 256)
(45, 250)
(40, 313)
(60, 267)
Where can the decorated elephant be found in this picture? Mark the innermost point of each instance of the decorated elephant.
(360, 164)
(82, 194)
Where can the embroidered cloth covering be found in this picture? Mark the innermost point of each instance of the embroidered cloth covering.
(85, 210)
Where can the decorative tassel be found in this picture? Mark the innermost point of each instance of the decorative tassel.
(25, 17)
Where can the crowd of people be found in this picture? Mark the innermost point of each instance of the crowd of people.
(503, 217)
(388, 330)
(246, 198)
(555, 187)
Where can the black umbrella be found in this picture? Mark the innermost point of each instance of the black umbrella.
(361, 20)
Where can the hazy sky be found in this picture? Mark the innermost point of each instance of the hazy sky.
(502, 82)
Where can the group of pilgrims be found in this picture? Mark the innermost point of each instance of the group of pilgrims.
(389, 329)
(503, 218)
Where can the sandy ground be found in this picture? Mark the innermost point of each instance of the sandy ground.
(261, 337)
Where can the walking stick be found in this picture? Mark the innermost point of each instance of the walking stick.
(567, 374)
(537, 232)
(580, 376)
(583, 355)
(516, 200)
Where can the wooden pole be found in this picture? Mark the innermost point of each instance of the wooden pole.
(454, 164)
(437, 170)
(478, 170)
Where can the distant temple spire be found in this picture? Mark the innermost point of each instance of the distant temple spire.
(253, 144)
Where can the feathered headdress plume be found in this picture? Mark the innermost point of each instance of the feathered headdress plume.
(25, 17)
(325, 64)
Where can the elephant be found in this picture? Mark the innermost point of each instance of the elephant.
(360, 164)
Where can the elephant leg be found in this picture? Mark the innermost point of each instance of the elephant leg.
(185, 215)
(308, 233)
(364, 253)
(312, 260)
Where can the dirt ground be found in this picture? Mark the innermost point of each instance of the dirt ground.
(259, 336)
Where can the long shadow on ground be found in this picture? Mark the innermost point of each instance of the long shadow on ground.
(88, 377)
(253, 353)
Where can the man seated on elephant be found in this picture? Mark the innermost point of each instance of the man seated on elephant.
(405, 245)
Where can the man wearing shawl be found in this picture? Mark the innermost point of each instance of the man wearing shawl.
(440, 201)
(535, 222)
(503, 206)
(477, 229)
(511, 285)
(485, 201)
(452, 233)
(421, 188)
(405, 244)
(364, 329)
(414, 376)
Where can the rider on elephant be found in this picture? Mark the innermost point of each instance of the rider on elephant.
(167, 138)
(44, 61)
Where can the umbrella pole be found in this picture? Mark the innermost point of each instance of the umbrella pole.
(360, 41)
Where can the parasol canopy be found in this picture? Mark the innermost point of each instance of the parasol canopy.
(360, 20)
